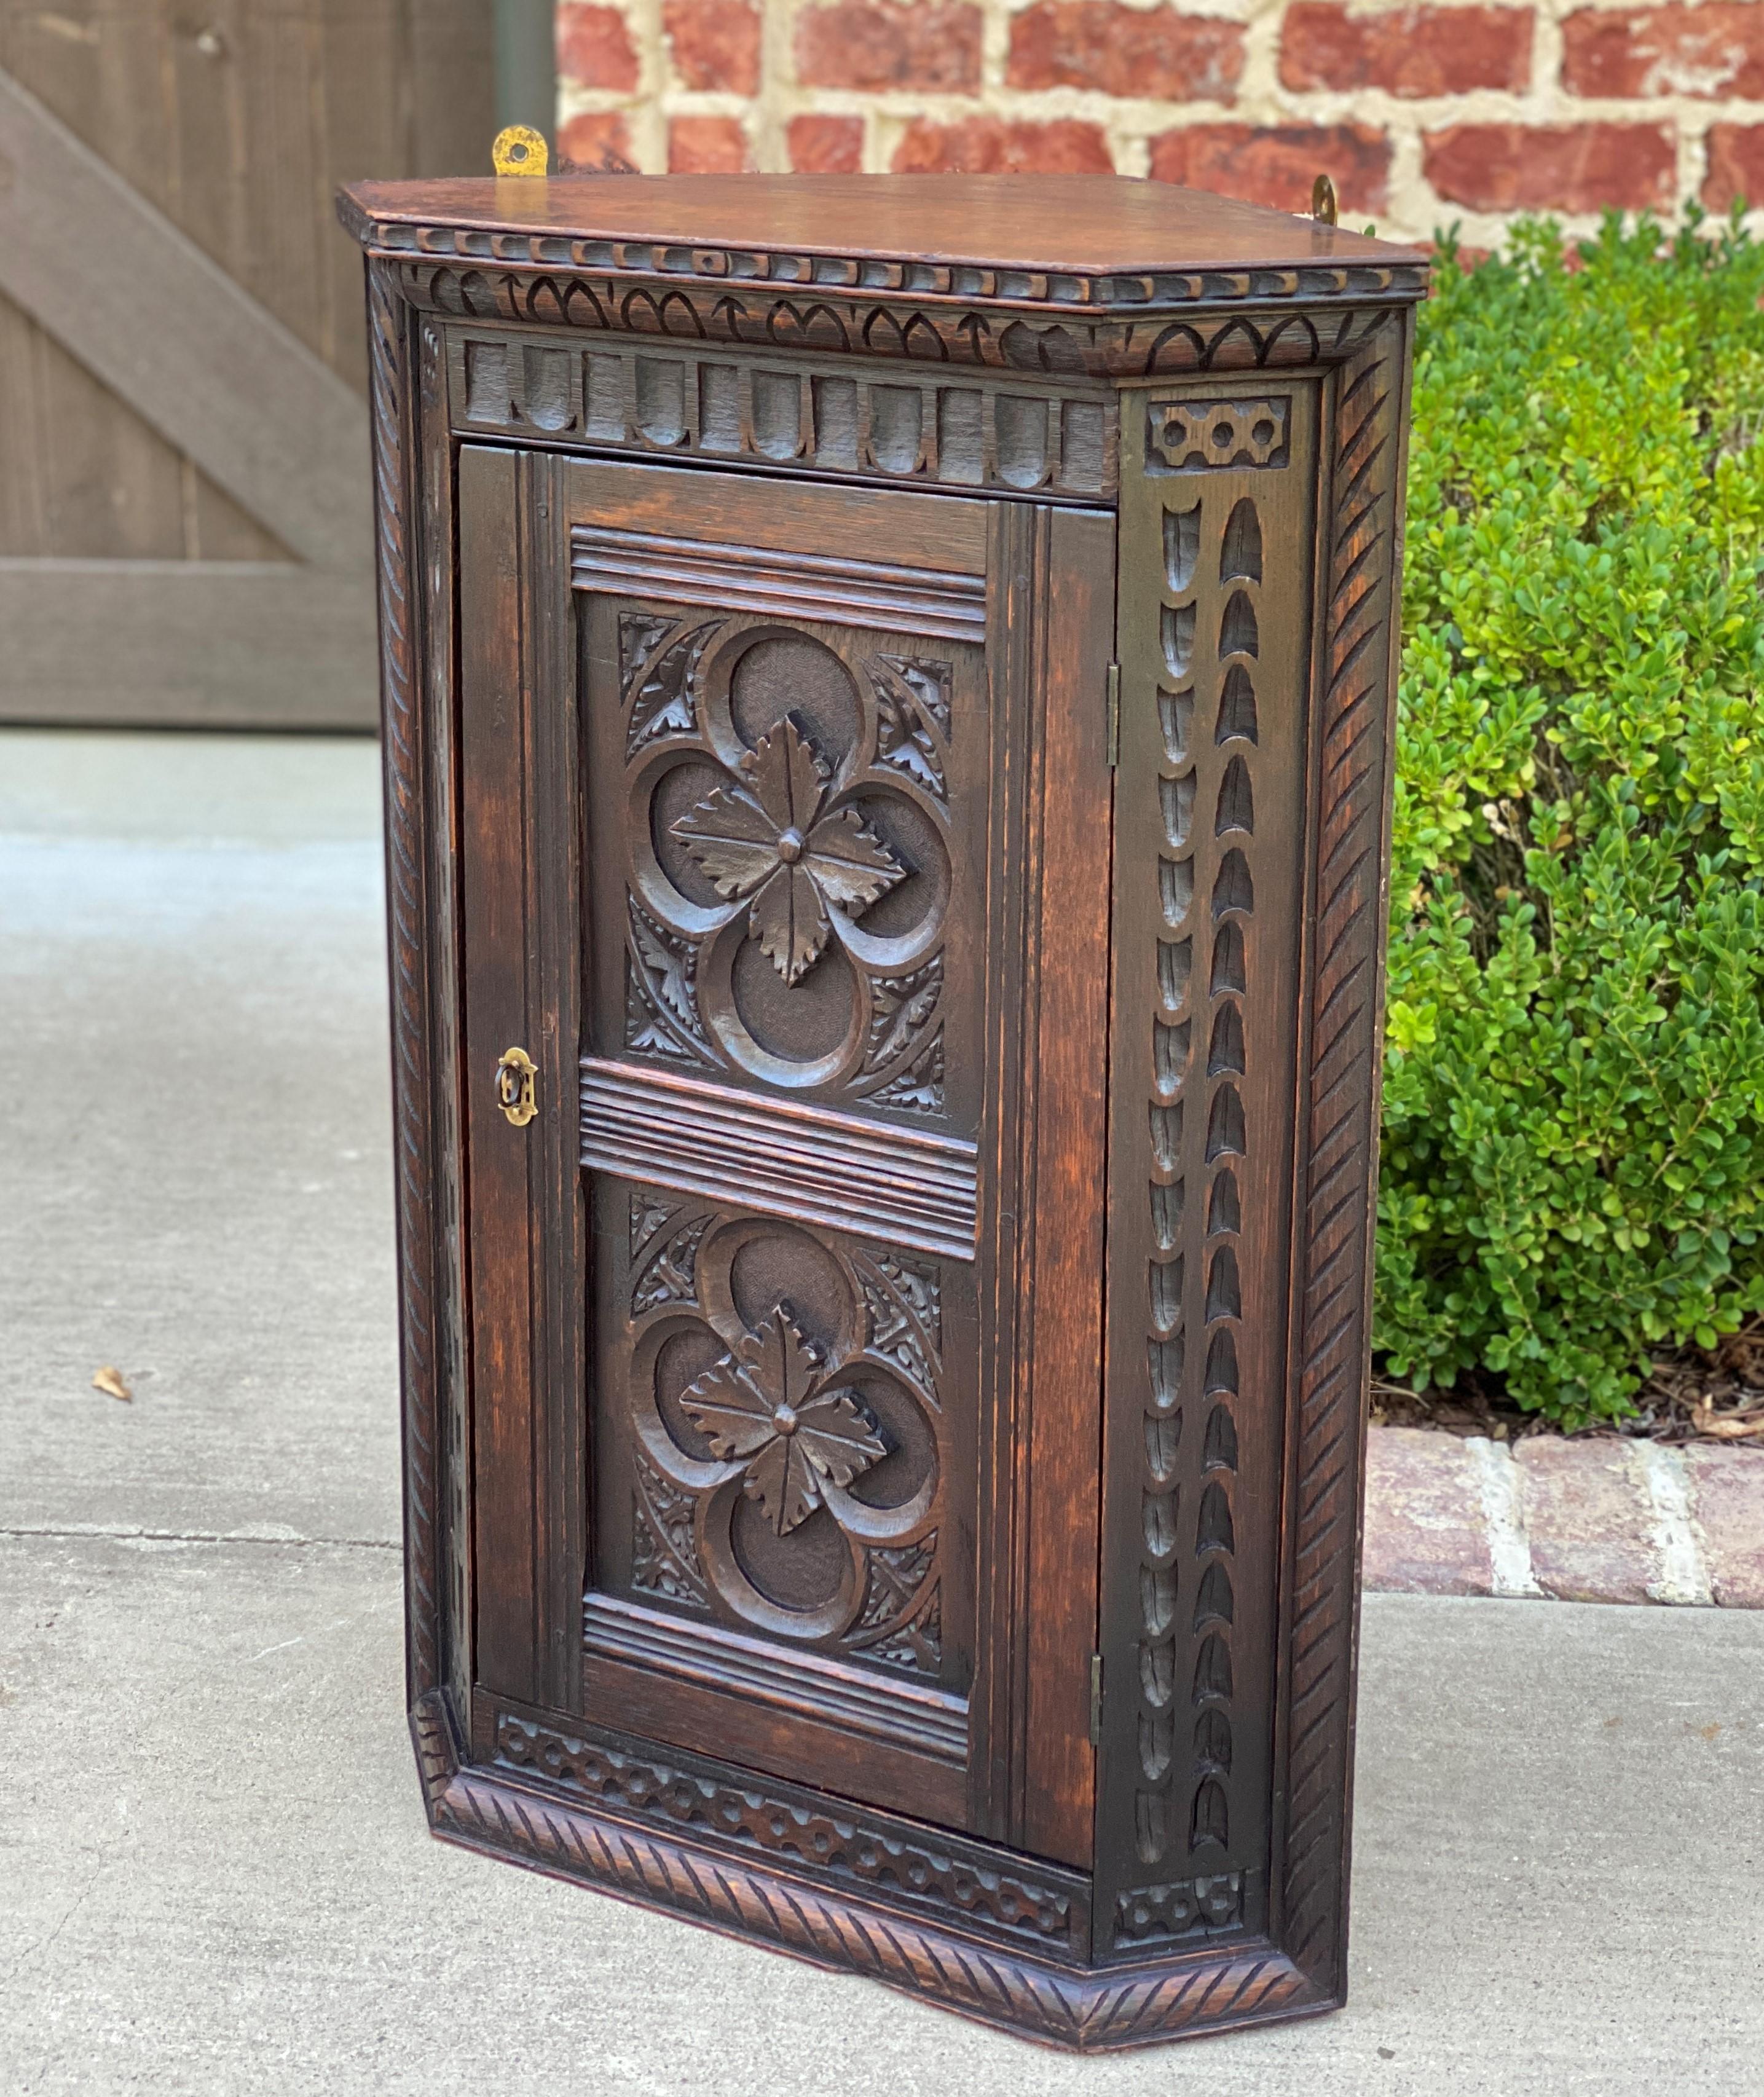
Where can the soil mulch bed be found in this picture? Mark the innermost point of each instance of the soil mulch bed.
(1694, 1394)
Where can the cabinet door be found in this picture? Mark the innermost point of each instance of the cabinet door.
(787, 842)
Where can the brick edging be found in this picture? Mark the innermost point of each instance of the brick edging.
(1597, 1520)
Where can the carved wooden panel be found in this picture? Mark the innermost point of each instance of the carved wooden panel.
(816, 412)
(793, 795)
(820, 942)
(1219, 497)
(778, 1450)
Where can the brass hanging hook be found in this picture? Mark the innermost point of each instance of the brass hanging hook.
(518, 150)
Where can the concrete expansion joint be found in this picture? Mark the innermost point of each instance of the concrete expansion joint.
(283, 1540)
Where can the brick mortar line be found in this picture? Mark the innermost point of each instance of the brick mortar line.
(1125, 126)
(1682, 1573)
(1604, 1519)
(1503, 1494)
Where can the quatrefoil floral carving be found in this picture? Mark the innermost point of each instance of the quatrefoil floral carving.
(767, 1405)
(786, 1394)
(769, 836)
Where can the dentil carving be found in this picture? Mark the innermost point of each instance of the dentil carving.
(773, 838)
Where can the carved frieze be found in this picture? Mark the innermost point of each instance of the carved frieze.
(1198, 321)
(794, 1828)
(973, 431)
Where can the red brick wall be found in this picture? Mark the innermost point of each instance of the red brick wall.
(1466, 110)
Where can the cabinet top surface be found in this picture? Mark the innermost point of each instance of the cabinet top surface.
(1081, 224)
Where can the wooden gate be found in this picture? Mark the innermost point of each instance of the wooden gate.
(185, 505)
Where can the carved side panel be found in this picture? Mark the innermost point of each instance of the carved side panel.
(789, 797)
(774, 1444)
(1219, 508)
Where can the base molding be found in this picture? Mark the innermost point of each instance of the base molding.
(530, 1822)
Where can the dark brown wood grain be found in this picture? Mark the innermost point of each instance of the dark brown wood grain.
(1041, 1185)
(1069, 1054)
(1031, 1172)
(1358, 634)
(1077, 226)
(503, 1237)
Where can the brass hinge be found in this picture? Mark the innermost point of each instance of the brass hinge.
(1114, 715)
(1095, 1700)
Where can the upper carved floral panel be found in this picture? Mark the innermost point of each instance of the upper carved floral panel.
(790, 874)
(772, 838)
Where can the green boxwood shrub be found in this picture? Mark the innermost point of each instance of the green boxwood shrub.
(1574, 1144)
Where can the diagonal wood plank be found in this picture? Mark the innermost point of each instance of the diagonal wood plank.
(143, 309)
(199, 644)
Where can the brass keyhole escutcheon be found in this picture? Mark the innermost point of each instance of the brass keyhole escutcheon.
(517, 1090)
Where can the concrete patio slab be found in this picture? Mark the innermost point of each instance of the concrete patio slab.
(214, 1876)
(196, 1137)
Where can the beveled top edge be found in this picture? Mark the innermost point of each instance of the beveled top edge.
(1092, 235)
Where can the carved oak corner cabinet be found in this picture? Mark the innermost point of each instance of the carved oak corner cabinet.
(887, 726)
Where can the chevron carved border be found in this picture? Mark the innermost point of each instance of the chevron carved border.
(1337, 1150)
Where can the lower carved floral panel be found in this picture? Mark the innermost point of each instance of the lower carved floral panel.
(779, 1437)
(642, 1830)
